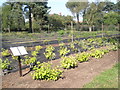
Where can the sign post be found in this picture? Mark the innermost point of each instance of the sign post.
(20, 69)
(19, 51)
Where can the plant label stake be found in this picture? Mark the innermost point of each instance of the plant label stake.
(20, 69)
(19, 51)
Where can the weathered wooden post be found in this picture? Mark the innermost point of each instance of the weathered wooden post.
(20, 69)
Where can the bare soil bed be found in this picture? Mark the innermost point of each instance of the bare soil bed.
(73, 78)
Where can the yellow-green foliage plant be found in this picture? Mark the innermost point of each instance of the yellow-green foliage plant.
(5, 64)
(114, 47)
(49, 52)
(29, 60)
(98, 53)
(37, 48)
(63, 50)
(0, 63)
(69, 62)
(15, 57)
(34, 53)
(82, 57)
(45, 71)
(72, 46)
(5, 52)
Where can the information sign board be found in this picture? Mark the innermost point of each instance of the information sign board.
(18, 51)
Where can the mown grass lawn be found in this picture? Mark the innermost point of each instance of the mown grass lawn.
(107, 79)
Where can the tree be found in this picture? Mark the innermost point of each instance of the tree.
(18, 21)
(28, 9)
(109, 6)
(0, 18)
(67, 21)
(94, 14)
(118, 11)
(111, 18)
(12, 16)
(77, 7)
(57, 22)
(39, 12)
(6, 17)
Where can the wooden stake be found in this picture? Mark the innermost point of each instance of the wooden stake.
(20, 69)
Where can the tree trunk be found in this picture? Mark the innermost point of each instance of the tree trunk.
(118, 26)
(40, 29)
(84, 15)
(102, 29)
(19, 24)
(72, 30)
(77, 14)
(65, 27)
(30, 20)
(93, 27)
(8, 28)
(48, 28)
(90, 29)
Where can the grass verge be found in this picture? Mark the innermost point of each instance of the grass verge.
(107, 79)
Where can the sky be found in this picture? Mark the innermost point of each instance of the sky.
(58, 6)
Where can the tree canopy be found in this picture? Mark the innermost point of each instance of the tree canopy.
(77, 7)
(111, 18)
(58, 22)
(14, 15)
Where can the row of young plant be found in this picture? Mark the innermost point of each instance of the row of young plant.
(63, 51)
(77, 37)
(59, 34)
(45, 71)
